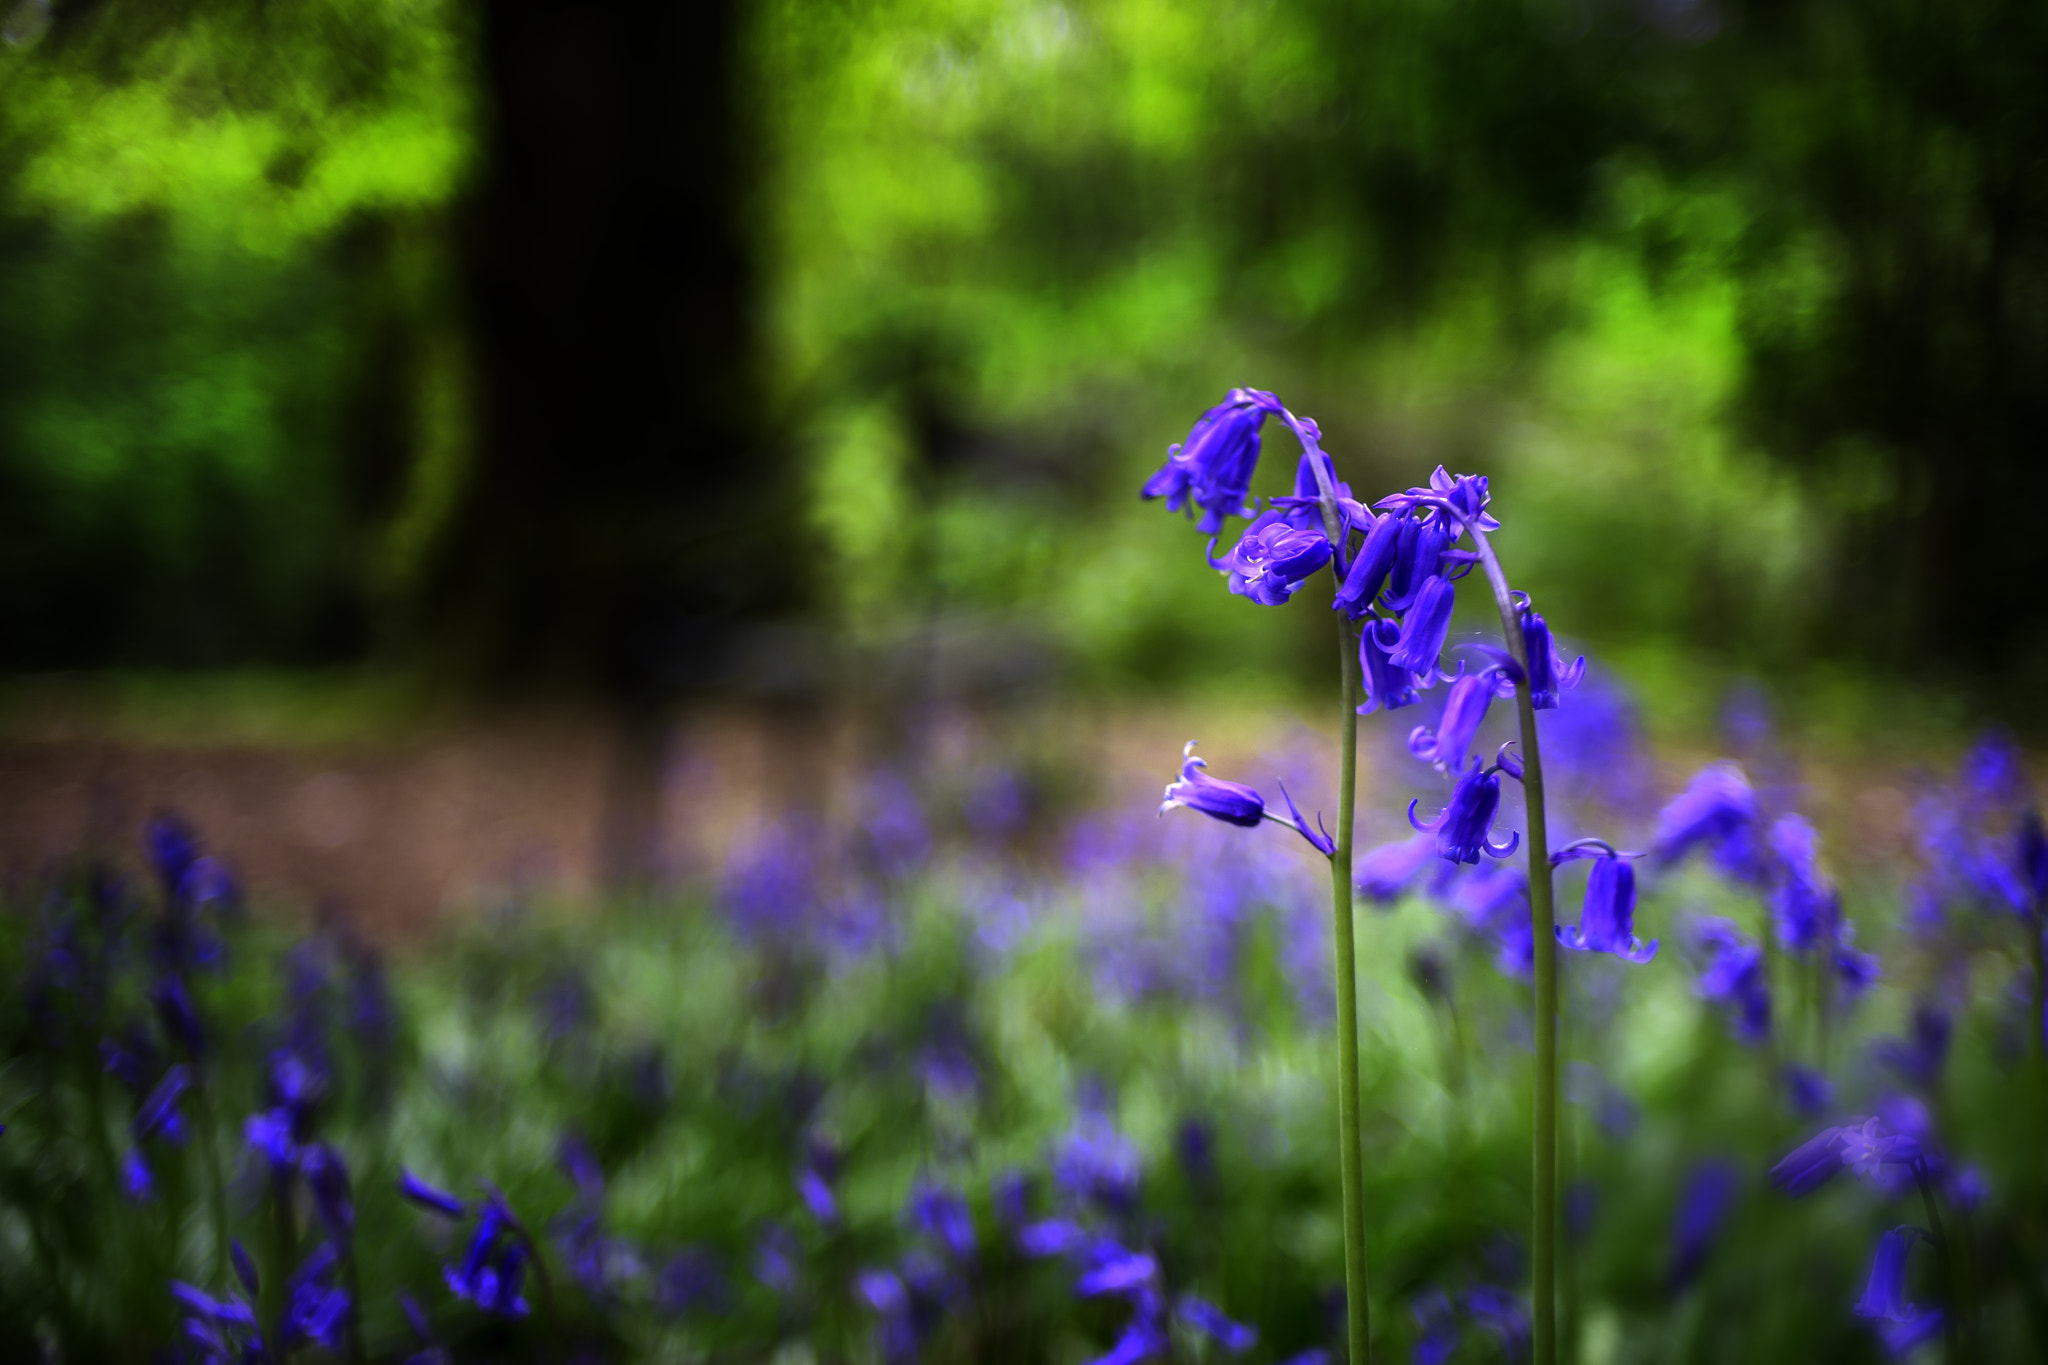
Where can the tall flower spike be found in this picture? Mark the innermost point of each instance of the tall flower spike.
(1608, 922)
(1425, 627)
(1213, 468)
(1462, 827)
(1385, 685)
(1231, 802)
(1447, 747)
(1271, 559)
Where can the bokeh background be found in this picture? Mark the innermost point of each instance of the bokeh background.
(480, 460)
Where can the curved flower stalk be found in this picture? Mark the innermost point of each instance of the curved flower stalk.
(1395, 592)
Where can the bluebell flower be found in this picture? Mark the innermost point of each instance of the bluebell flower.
(1717, 809)
(1271, 560)
(943, 1216)
(1808, 1091)
(1384, 874)
(1304, 510)
(1702, 1209)
(1447, 747)
(1854, 970)
(1425, 627)
(436, 1201)
(1053, 1237)
(770, 886)
(159, 1113)
(1232, 802)
(1805, 904)
(1438, 1321)
(1098, 1165)
(220, 1331)
(1884, 1296)
(493, 1269)
(814, 1181)
(1502, 1315)
(1548, 673)
(138, 1182)
(1418, 557)
(1213, 468)
(173, 849)
(1734, 978)
(1385, 685)
(178, 1015)
(327, 1177)
(1463, 826)
(895, 1333)
(1870, 1147)
(691, 1281)
(1367, 576)
(316, 1308)
(1010, 1194)
(1607, 922)
(1234, 1337)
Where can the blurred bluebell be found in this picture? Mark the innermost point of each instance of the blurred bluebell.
(1383, 874)
(1607, 920)
(1010, 1196)
(1593, 749)
(1213, 468)
(1502, 1315)
(437, 1201)
(1463, 827)
(1613, 1111)
(1271, 560)
(691, 1281)
(159, 1113)
(997, 802)
(1854, 971)
(895, 838)
(1493, 901)
(1424, 628)
(1733, 977)
(895, 1334)
(770, 886)
(1717, 810)
(1385, 684)
(1440, 1329)
(1967, 1188)
(1805, 904)
(316, 1306)
(942, 1215)
(178, 1015)
(1234, 1337)
(1884, 1296)
(173, 848)
(776, 1258)
(1097, 1165)
(1448, 746)
(217, 1331)
(493, 1268)
(327, 1177)
(1702, 1209)
(1868, 1146)
(1808, 1091)
(138, 1182)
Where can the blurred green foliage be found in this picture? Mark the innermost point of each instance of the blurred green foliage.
(1737, 305)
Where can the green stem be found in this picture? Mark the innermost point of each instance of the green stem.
(1542, 922)
(1352, 1161)
(1952, 1284)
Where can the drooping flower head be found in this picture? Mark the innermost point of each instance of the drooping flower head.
(1271, 559)
(1702, 1209)
(1425, 627)
(1718, 810)
(1213, 468)
(1549, 674)
(1385, 685)
(1370, 567)
(1885, 1294)
(1231, 802)
(1447, 747)
(1608, 922)
(1418, 557)
(1463, 827)
(1874, 1148)
(1733, 977)
(1805, 904)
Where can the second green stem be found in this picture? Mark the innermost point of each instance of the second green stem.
(1352, 1162)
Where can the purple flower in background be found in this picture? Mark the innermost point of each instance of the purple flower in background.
(1234, 1337)
(943, 1216)
(137, 1181)
(1383, 874)
(1593, 748)
(417, 1191)
(1463, 826)
(327, 1177)
(1867, 1146)
(770, 887)
(691, 1280)
(494, 1266)
(1096, 1164)
(316, 1308)
(178, 1015)
(1854, 970)
(1808, 1091)
(1231, 802)
(1494, 902)
(1271, 560)
(894, 835)
(1439, 1323)
(1717, 809)
(1385, 685)
(1450, 744)
(1918, 1057)
(1733, 977)
(1805, 904)
(1425, 628)
(1607, 922)
(1702, 1209)
(1884, 1296)
(1812, 1164)
(895, 1332)
(1502, 1315)
(1213, 468)
(221, 1331)
(173, 849)
(2031, 858)
(159, 1113)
